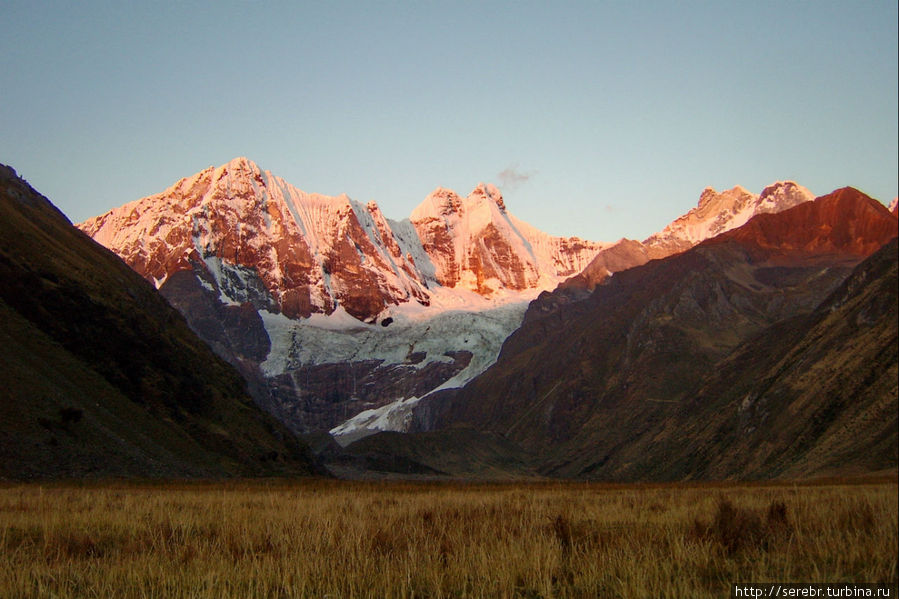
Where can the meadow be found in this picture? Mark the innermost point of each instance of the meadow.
(399, 539)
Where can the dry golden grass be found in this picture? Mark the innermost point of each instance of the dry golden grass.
(333, 539)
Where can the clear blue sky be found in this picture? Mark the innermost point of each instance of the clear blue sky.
(597, 119)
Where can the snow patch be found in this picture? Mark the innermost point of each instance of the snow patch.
(396, 416)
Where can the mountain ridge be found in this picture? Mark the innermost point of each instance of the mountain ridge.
(598, 386)
(265, 272)
(312, 253)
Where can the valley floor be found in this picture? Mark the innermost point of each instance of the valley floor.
(398, 539)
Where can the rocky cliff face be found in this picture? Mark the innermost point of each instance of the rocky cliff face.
(474, 243)
(845, 222)
(260, 239)
(340, 318)
(718, 212)
(444, 217)
(263, 240)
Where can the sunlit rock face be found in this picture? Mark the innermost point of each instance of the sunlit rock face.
(718, 212)
(715, 213)
(313, 253)
(844, 222)
(474, 243)
(293, 287)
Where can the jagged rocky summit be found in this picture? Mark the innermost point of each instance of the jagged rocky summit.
(716, 213)
(255, 237)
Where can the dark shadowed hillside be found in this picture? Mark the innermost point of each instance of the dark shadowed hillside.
(815, 395)
(727, 360)
(101, 377)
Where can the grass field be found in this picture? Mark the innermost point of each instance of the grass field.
(342, 540)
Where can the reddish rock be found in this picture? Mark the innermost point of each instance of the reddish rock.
(845, 222)
(474, 243)
(314, 253)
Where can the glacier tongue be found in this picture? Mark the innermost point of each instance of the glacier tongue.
(395, 416)
(341, 338)
(415, 338)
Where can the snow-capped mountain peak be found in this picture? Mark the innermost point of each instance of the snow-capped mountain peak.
(475, 244)
(782, 195)
(306, 253)
(489, 192)
(717, 212)
(439, 203)
(278, 279)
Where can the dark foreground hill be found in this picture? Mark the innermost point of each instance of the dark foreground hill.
(769, 351)
(100, 377)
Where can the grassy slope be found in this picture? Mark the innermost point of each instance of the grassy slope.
(809, 396)
(101, 376)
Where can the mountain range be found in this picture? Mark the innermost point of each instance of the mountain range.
(343, 319)
(259, 238)
(753, 337)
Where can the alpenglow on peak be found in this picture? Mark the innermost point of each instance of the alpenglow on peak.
(255, 237)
